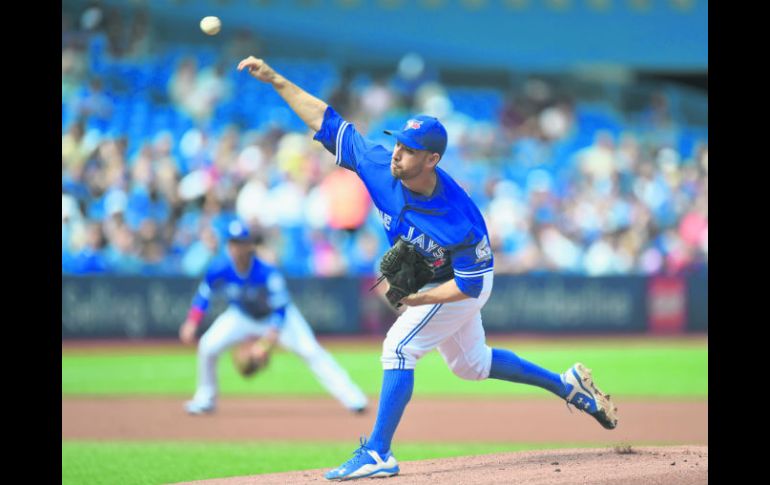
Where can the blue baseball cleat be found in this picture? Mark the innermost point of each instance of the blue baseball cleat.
(365, 463)
(585, 396)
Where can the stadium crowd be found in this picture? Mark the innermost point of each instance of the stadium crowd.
(154, 167)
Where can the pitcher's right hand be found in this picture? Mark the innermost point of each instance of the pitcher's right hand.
(259, 69)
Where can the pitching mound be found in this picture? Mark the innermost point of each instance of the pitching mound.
(683, 465)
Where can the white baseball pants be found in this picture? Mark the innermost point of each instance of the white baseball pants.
(454, 328)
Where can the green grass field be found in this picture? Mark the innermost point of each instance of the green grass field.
(653, 369)
(123, 463)
(649, 368)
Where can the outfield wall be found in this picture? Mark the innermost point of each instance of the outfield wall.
(139, 307)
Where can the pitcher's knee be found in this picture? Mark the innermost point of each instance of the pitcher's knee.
(397, 356)
(468, 372)
(399, 360)
(472, 366)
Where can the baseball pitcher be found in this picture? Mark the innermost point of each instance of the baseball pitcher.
(440, 267)
(259, 316)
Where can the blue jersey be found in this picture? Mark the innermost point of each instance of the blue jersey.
(446, 226)
(259, 293)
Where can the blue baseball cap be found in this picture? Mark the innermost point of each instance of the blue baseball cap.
(422, 133)
(237, 231)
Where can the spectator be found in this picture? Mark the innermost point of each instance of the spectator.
(122, 253)
(73, 70)
(601, 258)
(326, 258)
(365, 254)
(200, 253)
(631, 205)
(140, 39)
(348, 201)
(72, 224)
(197, 92)
(561, 253)
(90, 258)
(74, 150)
(94, 104)
(597, 162)
(181, 85)
(165, 168)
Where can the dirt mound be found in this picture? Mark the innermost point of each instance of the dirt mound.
(683, 465)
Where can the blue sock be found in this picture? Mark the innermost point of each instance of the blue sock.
(397, 385)
(508, 366)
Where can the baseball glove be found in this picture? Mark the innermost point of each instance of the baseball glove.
(246, 361)
(406, 271)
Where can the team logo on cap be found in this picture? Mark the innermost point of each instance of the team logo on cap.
(236, 228)
(413, 125)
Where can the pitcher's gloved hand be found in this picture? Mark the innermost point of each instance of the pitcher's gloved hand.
(406, 271)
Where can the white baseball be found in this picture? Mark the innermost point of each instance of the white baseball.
(211, 25)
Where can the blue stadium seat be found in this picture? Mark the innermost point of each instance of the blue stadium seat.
(206, 57)
(689, 136)
(589, 120)
(97, 54)
(479, 104)
(563, 150)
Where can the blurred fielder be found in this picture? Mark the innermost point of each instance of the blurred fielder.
(422, 205)
(259, 316)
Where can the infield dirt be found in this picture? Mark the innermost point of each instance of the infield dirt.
(683, 425)
(650, 422)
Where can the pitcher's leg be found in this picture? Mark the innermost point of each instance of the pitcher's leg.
(417, 331)
(469, 357)
(508, 366)
(396, 391)
(408, 339)
(466, 353)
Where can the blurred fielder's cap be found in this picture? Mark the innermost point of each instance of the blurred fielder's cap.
(237, 231)
(422, 133)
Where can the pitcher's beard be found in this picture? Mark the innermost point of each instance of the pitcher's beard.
(399, 174)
